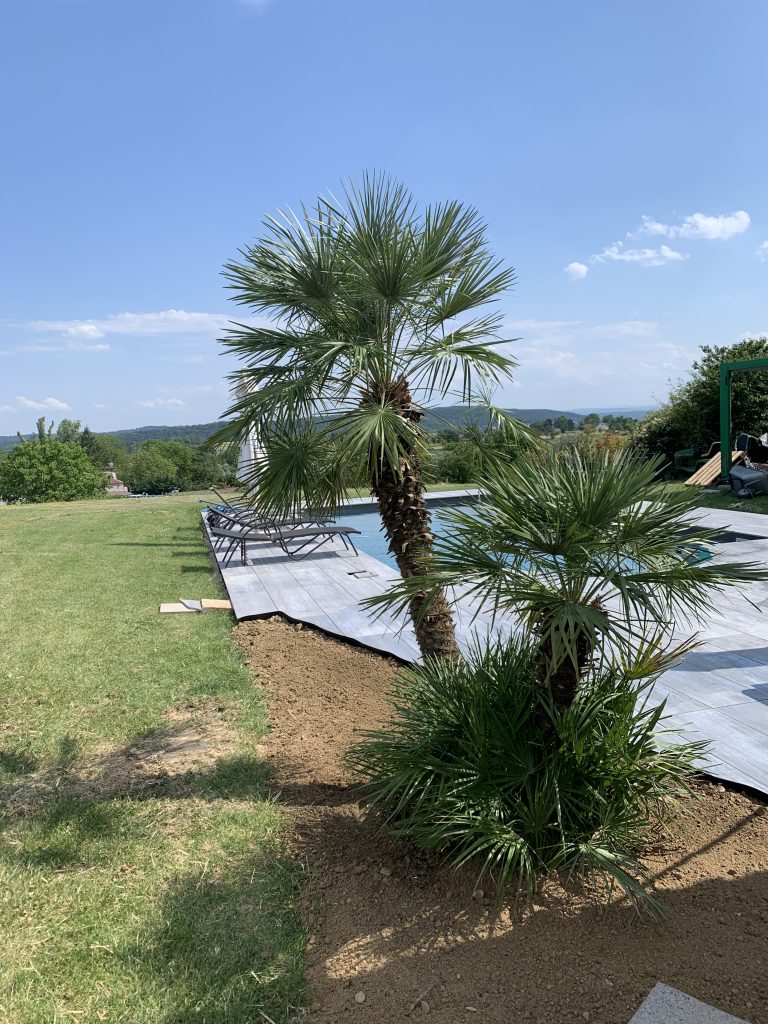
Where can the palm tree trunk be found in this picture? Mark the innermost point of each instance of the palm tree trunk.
(406, 519)
(564, 678)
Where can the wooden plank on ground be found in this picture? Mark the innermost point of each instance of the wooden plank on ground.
(208, 604)
(710, 471)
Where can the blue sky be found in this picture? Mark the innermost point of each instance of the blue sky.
(616, 150)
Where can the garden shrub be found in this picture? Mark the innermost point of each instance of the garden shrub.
(591, 443)
(48, 470)
(161, 465)
(150, 470)
(458, 463)
(479, 764)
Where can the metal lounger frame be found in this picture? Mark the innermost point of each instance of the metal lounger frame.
(311, 538)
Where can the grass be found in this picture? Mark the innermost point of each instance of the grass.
(365, 492)
(118, 903)
(724, 499)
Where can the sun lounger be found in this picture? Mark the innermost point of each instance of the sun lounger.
(248, 516)
(226, 526)
(295, 542)
(230, 517)
(226, 503)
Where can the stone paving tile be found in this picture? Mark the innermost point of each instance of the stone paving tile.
(712, 688)
(754, 714)
(667, 1005)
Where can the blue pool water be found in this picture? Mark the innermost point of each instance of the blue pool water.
(372, 539)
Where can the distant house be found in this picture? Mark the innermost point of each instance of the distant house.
(115, 488)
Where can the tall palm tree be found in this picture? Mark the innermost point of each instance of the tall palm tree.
(375, 312)
(592, 556)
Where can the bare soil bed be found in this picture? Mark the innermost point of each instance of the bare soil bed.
(395, 935)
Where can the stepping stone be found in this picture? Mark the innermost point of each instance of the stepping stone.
(666, 1005)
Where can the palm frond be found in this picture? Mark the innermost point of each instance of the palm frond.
(365, 294)
(377, 436)
(295, 471)
(478, 764)
(581, 549)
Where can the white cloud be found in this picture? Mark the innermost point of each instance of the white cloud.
(69, 346)
(47, 403)
(161, 403)
(625, 329)
(576, 271)
(589, 354)
(181, 328)
(84, 330)
(697, 226)
(700, 225)
(167, 321)
(8, 408)
(533, 358)
(762, 251)
(99, 405)
(660, 257)
(85, 346)
(561, 333)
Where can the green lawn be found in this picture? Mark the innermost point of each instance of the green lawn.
(724, 499)
(121, 902)
(365, 492)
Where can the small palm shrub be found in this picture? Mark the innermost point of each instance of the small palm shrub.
(479, 763)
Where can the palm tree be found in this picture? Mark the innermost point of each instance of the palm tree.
(593, 557)
(375, 312)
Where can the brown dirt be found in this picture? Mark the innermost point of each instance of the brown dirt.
(190, 740)
(388, 924)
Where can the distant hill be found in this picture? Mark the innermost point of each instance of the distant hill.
(194, 433)
(8, 441)
(444, 417)
(635, 411)
(441, 418)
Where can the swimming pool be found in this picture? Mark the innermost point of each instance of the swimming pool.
(372, 539)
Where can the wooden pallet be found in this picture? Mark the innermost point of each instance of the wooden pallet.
(710, 471)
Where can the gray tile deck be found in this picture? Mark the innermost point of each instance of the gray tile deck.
(719, 693)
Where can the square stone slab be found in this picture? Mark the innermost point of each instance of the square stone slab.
(665, 1005)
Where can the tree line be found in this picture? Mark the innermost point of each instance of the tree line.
(69, 462)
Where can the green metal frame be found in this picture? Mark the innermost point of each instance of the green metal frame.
(726, 369)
